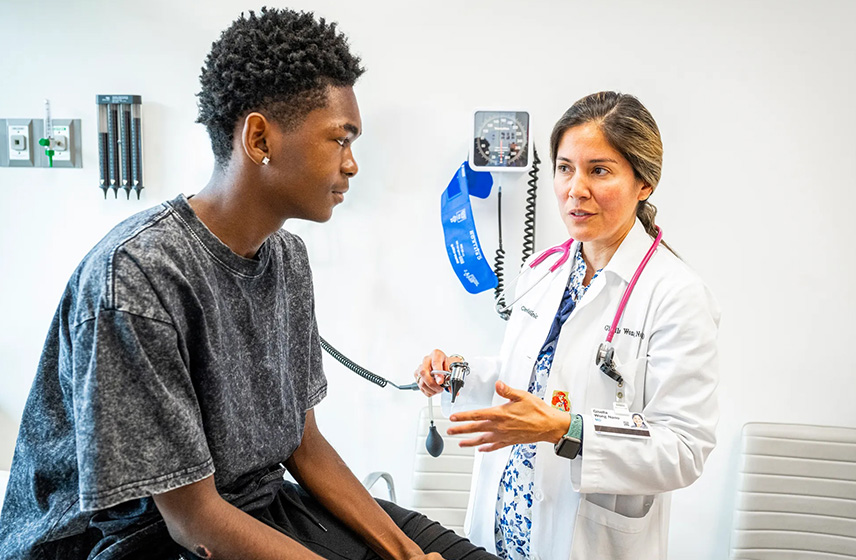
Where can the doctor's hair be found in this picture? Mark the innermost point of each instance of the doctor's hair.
(630, 130)
(280, 63)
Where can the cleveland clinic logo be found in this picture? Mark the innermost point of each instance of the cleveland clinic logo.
(530, 312)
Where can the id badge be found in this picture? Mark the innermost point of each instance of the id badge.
(620, 422)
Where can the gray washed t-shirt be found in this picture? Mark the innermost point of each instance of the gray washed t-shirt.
(169, 358)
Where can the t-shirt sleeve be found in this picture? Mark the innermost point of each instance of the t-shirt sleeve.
(302, 293)
(317, 382)
(137, 420)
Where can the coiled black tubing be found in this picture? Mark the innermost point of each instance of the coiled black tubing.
(499, 262)
(529, 214)
(528, 235)
(361, 371)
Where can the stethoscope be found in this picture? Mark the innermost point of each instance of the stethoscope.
(605, 352)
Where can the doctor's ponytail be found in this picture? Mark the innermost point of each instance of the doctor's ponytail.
(630, 130)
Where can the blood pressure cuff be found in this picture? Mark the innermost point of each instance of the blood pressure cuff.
(459, 229)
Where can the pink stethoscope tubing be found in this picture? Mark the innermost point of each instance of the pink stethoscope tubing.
(629, 289)
(565, 249)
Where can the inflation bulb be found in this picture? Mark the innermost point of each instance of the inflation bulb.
(453, 382)
(434, 442)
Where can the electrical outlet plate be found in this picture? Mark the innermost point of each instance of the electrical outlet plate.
(20, 145)
(67, 152)
(19, 142)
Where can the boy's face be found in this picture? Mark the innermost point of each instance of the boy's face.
(313, 162)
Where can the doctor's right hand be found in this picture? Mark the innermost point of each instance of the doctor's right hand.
(432, 383)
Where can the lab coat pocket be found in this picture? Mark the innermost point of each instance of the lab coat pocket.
(633, 373)
(601, 533)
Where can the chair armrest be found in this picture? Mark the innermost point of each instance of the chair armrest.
(373, 477)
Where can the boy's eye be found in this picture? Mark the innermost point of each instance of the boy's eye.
(343, 141)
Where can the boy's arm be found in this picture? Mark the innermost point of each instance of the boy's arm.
(201, 521)
(321, 472)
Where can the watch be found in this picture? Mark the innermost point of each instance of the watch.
(571, 443)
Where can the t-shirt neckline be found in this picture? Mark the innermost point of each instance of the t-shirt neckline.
(214, 246)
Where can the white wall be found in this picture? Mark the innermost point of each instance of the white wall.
(754, 100)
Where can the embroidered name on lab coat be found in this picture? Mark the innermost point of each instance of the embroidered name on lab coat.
(627, 332)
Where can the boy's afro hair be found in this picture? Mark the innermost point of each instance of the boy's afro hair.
(278, 62)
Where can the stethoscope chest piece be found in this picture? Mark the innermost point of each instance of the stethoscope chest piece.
(605, 353)
(604, 360)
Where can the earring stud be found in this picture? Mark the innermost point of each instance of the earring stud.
(265, 160)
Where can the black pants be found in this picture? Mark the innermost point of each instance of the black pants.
(299, 516)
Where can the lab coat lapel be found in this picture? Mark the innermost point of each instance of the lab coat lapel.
(544, 301)
(603, 295)
(630, 253)
(623, 263)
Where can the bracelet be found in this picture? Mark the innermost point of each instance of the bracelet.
(570, 446)
(575, 430)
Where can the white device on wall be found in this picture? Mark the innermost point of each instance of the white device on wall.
(501, 141)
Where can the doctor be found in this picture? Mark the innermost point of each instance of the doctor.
(554, 483)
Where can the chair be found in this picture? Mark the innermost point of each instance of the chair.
(796, 494)
(441, 485)
(373, 477)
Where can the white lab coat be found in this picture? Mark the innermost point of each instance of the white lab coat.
(612, 502)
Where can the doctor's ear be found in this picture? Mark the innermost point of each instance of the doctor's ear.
(254, 138)
(645, 192)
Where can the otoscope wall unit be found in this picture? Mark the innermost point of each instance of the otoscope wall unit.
(23, 143)
(120, 144)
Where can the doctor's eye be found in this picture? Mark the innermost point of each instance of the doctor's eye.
(563, 168)
(600, 171)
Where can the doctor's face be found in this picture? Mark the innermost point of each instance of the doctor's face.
(596, 188)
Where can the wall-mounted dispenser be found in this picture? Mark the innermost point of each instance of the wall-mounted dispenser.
(120, 145)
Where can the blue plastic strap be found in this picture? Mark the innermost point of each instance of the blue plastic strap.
(459, 229)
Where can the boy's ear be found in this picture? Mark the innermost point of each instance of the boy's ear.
(254, 136)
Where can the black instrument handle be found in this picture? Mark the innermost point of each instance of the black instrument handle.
(103, 163)
(125, 147)
(112, 137)
(136, 155)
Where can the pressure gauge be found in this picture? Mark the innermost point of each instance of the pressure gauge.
(500, 141)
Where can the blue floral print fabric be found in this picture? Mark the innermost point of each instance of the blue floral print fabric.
(515, 494)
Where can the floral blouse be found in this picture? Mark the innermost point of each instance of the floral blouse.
(514, 496)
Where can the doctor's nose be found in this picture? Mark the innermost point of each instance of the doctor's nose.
(577, 187)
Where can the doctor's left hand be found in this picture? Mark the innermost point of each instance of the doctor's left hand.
(523, 419)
